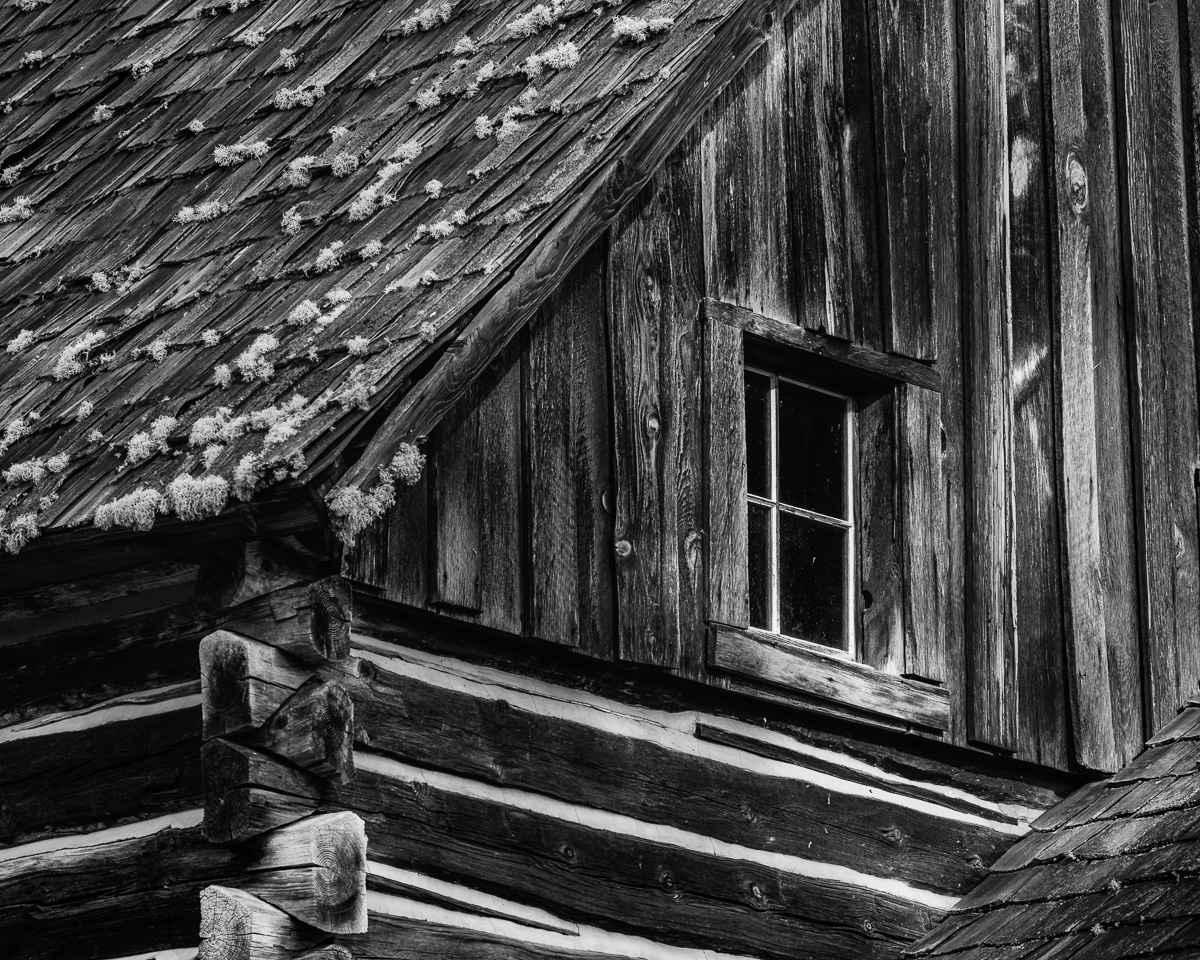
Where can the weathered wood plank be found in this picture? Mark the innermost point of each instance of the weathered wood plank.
(111, 772)
(458, 487)
(864, 361)
(1159, 313)
(990, 629)
(725, 468)
(479, 540)
(1089, 683)
(821, 216)
(566, 426)
(683, 507)
(923, 533)
(903, 92)
(590, 869)
(573, 756)
(1114, 440)
(881, 632)
(747, 228)
(655, 283)
(775, 660)
(1041, 713)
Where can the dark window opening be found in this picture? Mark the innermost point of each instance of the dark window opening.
(800, 482)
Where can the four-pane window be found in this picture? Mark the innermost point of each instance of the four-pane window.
(800, 483)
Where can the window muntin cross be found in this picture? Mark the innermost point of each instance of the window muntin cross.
(800, 483)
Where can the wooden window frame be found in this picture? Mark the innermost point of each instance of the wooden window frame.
(912, 690)
(776, 506)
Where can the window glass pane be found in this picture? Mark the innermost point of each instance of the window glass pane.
(812, 580)
(760, 566)
(812, 450)
(758, 433)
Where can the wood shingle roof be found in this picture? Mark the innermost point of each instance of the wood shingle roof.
(230, 233)
(1113, 871)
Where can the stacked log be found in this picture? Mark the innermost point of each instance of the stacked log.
(279, 730)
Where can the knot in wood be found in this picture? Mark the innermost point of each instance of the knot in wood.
(568, 853)
(624, 548)
(1077, 182)
(653, 425)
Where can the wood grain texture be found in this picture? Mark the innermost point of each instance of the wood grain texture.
(676, 785)
(243, 682)
(114, 772)
(314, 729)
(655, 284)
(310, 621)
(878, 491)
(747, 235)
(1159, 313)
(786, 663)
(458, 507)
(1040, 675)
(568, 463)
(1114, 440)
(923, 533)
(585, 874)
(725, 471)
(903, 92)
(124, 898)
(1090, 692)
(479, 537)
(817, 129)
(991, 640)
(856, 359)
(314, 870)
(452, 935)
(247, 792)
(235, 925)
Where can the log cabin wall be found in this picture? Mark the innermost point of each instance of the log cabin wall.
(526, 802)
(102, 852)
(1000, 193)
(101, 799)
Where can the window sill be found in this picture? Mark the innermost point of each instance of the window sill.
(796, 666)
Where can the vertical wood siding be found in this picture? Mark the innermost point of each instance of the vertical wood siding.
(1003, 189)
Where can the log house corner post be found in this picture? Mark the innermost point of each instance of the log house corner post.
(278, 728)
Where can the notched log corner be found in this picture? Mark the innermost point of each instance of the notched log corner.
(310, 621)
(314, 729)
(236, 925)
(244, 682)
(316, 871)
(247, 792)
